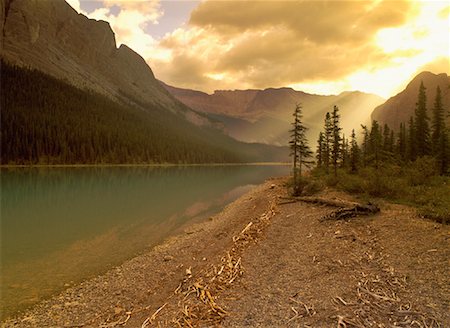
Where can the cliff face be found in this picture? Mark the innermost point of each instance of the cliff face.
(52, 37)
(401, 107)
(266, 115)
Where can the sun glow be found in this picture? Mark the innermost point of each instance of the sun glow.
(422, 40)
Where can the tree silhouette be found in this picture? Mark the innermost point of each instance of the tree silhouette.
(422, 129)
(354, 153)
(300, 150)
(336, 139)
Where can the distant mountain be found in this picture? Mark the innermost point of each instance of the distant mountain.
(118, 112)
(401, 107)
(265, 115)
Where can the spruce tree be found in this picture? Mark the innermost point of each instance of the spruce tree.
(375, 143)
(320, 150)
(401, 143)
(354, 153)
(336, 139)
(345, 152)
(411, 148)
(365, 145)
(386, 138)
(422, 129)
(328, 136)
(438, 122)
(300, 150)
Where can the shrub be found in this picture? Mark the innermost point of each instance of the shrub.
(422, 170)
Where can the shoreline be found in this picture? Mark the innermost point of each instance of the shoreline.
(218, 230)
(140, 165)
(281, 257)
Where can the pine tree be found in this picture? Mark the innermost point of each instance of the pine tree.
(386, 138)
(336, 139)
(354, 153)
(375, 143)
(422, 129)
(300, 150)
(365, 145)
(328, 136)
(320, 150)
(391, 143)
(345, 152)
(438, 122)
(401, 143)
(411, 148)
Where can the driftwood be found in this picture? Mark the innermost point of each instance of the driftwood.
(318, 200)
(346, 209)
(350, 212)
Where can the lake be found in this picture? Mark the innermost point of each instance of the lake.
(60, 226)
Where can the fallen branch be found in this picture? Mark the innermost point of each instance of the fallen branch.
(319, 200)
(350, 212)
(149, 320)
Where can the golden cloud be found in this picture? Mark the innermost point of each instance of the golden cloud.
(278, 43)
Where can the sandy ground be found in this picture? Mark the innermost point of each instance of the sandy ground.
(260, 264)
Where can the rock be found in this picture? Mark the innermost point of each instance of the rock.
(52, 37)
(168, 258)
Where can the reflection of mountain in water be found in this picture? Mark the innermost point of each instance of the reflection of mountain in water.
(75, 223)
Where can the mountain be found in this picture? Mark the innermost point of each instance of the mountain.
(69, 95)
(401, 107)
(265, 115)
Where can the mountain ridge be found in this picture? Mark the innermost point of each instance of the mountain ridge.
(399, 108)
(52, 37)
(265, 115)
(51, 44)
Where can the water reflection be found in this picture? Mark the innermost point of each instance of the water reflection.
(61, 226)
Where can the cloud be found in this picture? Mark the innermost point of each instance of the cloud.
(321, 46)
(317, 21)
(277, 43)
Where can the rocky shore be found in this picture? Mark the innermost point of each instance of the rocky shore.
(260, 263)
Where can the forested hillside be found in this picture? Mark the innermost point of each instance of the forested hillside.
(46, 121)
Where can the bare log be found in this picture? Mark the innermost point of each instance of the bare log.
(350, 212)
(320, 201)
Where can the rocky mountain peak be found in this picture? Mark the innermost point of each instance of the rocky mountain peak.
(49, 35)
(400, 107)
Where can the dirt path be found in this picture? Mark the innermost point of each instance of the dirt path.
(259, 264)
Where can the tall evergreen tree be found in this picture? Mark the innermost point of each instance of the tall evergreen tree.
(320, 150)
(375, 143)
(422, 129)
(401, 143)
(328, 136)
(365, 145)
(345, 152)
(386, 138)
(438, 122)
(336, 141)
(300, 150)
(354, 153)
(411, 147)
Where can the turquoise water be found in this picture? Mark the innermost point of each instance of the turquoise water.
(60, 226)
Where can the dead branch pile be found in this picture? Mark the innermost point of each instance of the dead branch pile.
(378, 300)
(197, 294)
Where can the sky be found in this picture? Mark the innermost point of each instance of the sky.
(322, 47)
